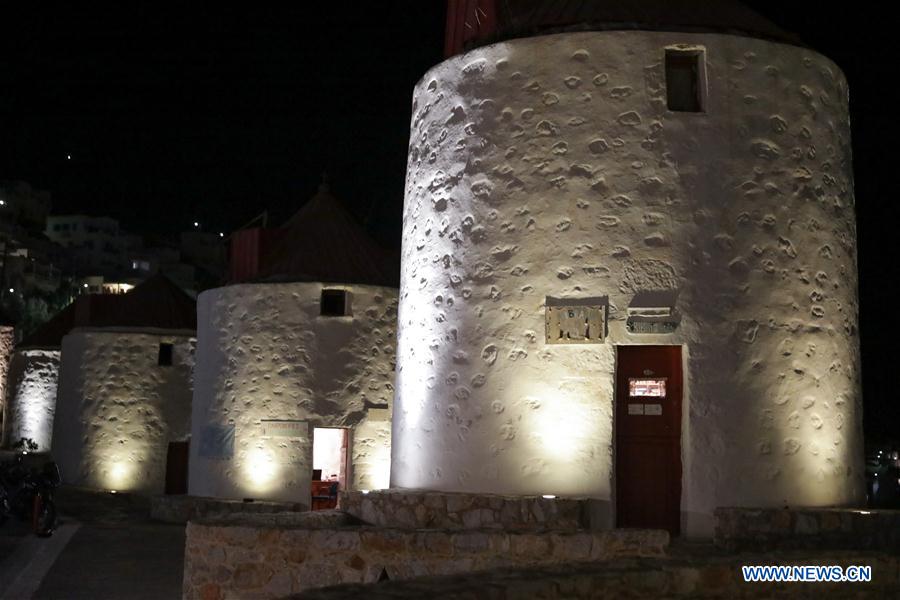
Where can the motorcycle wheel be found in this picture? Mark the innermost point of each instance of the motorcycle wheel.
(43, 514)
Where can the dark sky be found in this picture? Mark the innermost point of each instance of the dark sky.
(175, 115)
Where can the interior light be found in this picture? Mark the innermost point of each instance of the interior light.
(364, 491)
(112, 491)
(196, 224)
(548, 496)
(11, 290)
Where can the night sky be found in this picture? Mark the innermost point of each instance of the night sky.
(173, 115)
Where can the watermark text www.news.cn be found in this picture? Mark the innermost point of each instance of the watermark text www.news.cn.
(806, 573)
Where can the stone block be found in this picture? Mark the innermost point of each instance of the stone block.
(471, 541)
(251, 576)
(210, 591)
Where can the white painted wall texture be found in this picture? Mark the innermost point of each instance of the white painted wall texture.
(31, 397)
(265, 353)
(551, 166)
(7, 341)
(118, 409)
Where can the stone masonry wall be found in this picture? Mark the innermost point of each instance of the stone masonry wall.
(760, 529)
(183, 508)
(712, 577)
(253, 562)
(420, 509)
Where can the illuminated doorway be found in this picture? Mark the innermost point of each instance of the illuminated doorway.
(330, 457)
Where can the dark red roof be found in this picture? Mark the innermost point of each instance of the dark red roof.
(155, 303)
(472, 23)
(323, 242)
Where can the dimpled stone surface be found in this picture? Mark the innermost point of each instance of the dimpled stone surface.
(519, 187)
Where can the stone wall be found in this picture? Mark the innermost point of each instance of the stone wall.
(265, 352)
(269, 561)
(118, 409)
(713, 577)
(181, 508)
(759, 529)
(31, 397)
(551, 167)
(420, 510)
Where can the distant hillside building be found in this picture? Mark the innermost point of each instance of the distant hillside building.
(29, 263)
(295, 362)
(98, 246)
(22, 206)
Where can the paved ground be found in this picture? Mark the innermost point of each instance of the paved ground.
(106, 548)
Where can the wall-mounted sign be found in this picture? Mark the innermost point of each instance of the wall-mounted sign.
(575, 321)
(217, 442)
(646, 387)
(658, 327)
(284, 428)
(652, 410)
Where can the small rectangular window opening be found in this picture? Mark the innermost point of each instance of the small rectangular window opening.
(684, 80)
(165, 355)
(335, 303)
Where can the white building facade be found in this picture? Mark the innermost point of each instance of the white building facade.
(267, 356)
(295, 365)
(122, 400)
(573, 196)
(31, 397)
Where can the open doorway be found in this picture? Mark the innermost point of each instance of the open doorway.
(330, 445)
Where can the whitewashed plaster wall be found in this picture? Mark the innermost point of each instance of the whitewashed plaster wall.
(265, 353)
(118, 409)
(551, 166)
(31, 397)
(370, 451)
(7, 341)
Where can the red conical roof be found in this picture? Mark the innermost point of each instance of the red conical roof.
(323, 242)
(473, 23)
(155, 303)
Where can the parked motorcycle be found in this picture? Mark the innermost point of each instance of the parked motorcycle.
(27, 493)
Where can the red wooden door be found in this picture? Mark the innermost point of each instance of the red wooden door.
(648, 437)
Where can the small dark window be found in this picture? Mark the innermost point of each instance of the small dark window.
(684, 86)
(165, 355)
(335, 303)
